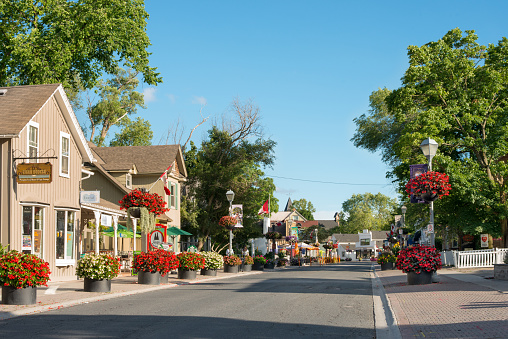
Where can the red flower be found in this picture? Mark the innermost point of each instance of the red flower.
(429, 182)
(22, 270)
(152, 201)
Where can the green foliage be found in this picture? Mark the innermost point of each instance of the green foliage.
(368, 211)
(309, 234)
(55, 41)
(456, 92)
(222, 163)
(133, 133)
(305, 208)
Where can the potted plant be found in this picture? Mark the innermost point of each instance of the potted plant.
(228, 222)
(170, 263)
(20, 274)
(429, 185)
(231, 263)
(273, 235)
(291, 239)
(190, 262)
(97, 271)
(248, 261)
(501, 270)
(145, 206)
(213, 262)
(259, 263)
(386, 260)
(149, 266)
(419, 262)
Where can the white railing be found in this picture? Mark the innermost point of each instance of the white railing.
(479, 258)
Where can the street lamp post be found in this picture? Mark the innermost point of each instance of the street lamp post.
(230, 195)
(429, 149)
(403, 209)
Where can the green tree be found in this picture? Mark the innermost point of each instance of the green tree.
(455, 91)
(305, 208)
(133, 133)
(368, 211)
(54, 41)
(226, 160)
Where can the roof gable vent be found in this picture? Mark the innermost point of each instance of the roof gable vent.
(3, 92)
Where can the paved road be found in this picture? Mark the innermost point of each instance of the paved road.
(329, 301)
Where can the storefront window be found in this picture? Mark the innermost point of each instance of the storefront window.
(365, 242)
(65, 222)
(33, 225)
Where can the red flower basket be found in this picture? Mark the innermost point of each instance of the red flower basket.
(20, 270)
(429, 183)
(228, 222)
(418, 259)
(152, 201)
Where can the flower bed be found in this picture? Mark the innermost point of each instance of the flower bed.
(418, 259)
(155, 261)
(21, 270)
(98, 266)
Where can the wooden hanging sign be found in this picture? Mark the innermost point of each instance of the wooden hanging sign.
(34, 173)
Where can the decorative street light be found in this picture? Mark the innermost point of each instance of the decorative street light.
(401, 232)
(429, 148)
(230, 195)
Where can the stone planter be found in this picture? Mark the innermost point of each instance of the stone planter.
(387, 266)
(270, 266)
(423, 278)
(184, 274)
(93, 285)
(22, 296)
(501, 271)
(246, 268)
(212, 273)
(165, 278)
(258, 266)
(149, 278)
(231, 268)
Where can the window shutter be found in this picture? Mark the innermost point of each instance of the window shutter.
(176, 196)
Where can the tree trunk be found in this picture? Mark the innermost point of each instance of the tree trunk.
(504, 232)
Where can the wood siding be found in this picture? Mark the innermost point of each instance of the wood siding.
(61, 192)
(5, 189)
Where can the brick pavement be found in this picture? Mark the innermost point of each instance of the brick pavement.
(60, 294)
(458, 306)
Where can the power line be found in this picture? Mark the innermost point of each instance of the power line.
(326, 182)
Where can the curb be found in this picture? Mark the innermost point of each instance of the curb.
(385, 321)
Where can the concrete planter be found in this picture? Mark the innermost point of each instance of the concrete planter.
(184, 274)
(21, 296)
(501, 271)
(387, 266)
(93, 285)
(422, 278)
(231, 268)
(149, 278)
(212, 273)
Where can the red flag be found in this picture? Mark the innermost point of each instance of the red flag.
(264, 209)
(164, 177)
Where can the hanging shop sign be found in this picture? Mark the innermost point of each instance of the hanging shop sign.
(34, 173)
(90, 197)
(484, 240)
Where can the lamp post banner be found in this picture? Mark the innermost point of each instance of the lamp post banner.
(414, 171)
(238, 213)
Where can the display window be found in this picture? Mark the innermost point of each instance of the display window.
(65, 236)
(33, 227)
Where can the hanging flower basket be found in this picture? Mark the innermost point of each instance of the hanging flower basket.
(291, 239)
(273, 235)
(145, 206)
(228, 222)
(429, 185)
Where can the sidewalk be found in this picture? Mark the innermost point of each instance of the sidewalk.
(68, 293)
(463, 304)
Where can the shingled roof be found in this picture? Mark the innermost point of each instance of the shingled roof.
(19, 104)
(147, 159)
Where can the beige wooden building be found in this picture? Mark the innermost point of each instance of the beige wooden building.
(41, 156)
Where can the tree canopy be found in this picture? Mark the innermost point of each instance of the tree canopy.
(455, 92)
(54, 41)
(305, 208)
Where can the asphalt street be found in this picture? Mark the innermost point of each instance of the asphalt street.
(329, 301)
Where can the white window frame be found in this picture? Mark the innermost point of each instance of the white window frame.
(32, 226)
(128, 180)
(172, 197)
(35, 125)
(68, 137)
(66, 261)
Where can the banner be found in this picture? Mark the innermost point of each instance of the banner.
(414, 171)
(266, 224)
(238, 214)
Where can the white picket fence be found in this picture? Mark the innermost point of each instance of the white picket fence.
(478, 258)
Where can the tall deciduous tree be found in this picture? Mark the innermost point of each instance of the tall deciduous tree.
(368, 211)
(456, 92)
(54, 41)
(305, 208)
(133, 133)
(227, 159)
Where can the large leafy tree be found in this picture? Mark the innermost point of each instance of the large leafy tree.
(227, 159)
(368, 211)
(133, 133)
(455, 91)
(61, 40)
(305, 208)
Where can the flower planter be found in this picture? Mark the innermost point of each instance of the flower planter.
(231, 268)
(501, 271)
(258, 266)
(165, 278)
(387, 266)
(212, 273)
(184, 274)
(149, 278)
(270, 266)
(136, 212)
(419, 279)
(93, 285)
(428, 197)
(246, 268)
(22, 296)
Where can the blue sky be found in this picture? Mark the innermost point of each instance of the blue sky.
(310, 66)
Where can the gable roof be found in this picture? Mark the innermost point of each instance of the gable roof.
(20, 104)
(289, 205)
(146, 159)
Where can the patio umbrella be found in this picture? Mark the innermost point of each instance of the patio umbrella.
(119, 228)
(121, 234)
(175, 231)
